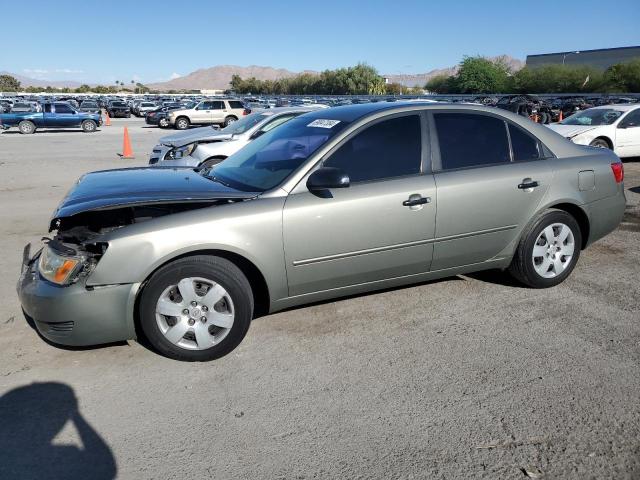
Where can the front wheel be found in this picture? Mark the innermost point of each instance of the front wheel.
(600, 143)
(548, 251)
(26, 127)
(196, 308)
(89, 126)
(210, 162)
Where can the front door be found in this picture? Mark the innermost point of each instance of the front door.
(372, 230)
(628, 135)
(491, 178)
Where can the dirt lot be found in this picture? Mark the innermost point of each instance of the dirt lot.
(469, 377)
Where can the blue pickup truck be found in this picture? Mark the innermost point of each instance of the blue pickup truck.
(53, 115)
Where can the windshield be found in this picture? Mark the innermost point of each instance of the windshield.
(593, 117)
(264, 163)
(245, 124)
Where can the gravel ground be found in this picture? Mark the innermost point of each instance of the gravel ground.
(468, 377)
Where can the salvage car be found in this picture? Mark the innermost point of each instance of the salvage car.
(334, 202)
(616, 127)
(206, 146)
(54, 115)
(118, 108)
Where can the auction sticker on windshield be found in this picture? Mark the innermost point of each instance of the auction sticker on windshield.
(323, 123)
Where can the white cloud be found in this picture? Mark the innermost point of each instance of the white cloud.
(174, 75)
(68, 70)
(37, 73)
(136, 78)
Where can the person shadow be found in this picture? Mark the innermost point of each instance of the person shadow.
(30, 418)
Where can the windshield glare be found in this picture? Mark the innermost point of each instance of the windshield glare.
(267, 161)
(593, 117)
(245, 124)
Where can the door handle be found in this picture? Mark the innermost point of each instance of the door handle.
(415, 200)
(528, 184)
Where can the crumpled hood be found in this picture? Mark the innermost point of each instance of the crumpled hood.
(110, 189)
(186, 137)
(570, 130)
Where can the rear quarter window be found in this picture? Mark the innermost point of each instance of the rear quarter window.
(235, 104)
(525, 147)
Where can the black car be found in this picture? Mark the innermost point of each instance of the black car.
(159, 115)
(528, 106)
(89, 106)
(118, 109)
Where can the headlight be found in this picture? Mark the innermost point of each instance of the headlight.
(58, 268)
(180, 152)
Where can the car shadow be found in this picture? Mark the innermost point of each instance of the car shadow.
(635, 189)
(31, 417)
(44, 130)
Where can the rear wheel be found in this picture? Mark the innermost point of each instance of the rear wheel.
(548, 250)
(600, 143)
(26, 127)
(197, 308)
(89, 126)
(163, 123)
(229, 120)
(182, 123)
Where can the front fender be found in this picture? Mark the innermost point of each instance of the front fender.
(251, 229)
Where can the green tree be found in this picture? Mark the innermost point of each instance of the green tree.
(9, 84)
(559, 79)
(623, 77)
(442, 84)
(481, 75)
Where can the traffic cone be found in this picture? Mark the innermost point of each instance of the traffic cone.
(107, 122)
(127, 152)
(560, 118)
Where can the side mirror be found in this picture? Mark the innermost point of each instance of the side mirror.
(326, 178)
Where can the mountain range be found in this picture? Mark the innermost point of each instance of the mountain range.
(218, 77)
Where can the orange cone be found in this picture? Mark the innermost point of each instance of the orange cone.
(107, 122)
(127, 152)
(560, 116)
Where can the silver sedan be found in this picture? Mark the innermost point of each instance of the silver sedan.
(332, 203)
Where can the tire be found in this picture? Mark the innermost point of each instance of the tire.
(26, 127)
(210, 162)
(163, 123)
(194, 336)
(544, 118)
(182, 123)
(600, 143)
(89, 126)
(560, 259)
(229, 120)
(128, 115)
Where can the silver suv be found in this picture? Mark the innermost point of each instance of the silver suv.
(208, 112)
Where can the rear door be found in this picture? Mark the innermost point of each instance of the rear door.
(368, 231)
(491, 176)
(218, 111)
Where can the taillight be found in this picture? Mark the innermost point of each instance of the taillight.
(246, 111)
(618, 171)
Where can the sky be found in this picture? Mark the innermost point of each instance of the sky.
(150, 41)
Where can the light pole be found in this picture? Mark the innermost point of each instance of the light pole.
(569, 53)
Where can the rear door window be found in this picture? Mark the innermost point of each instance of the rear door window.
(217, 105)
(471, 140)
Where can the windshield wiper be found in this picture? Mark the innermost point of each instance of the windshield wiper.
(216, 179)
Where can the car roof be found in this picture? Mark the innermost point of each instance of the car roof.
(623, 107)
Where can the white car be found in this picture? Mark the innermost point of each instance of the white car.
(205, 147)
(616, 127)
